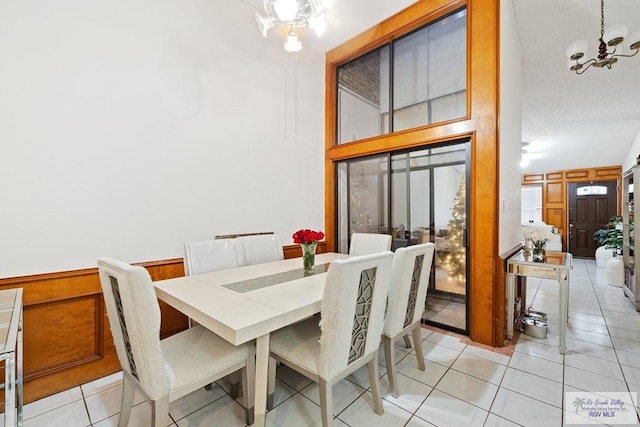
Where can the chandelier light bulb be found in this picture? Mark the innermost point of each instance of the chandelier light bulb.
(292, 44)
(293, 14)
(634, 39)
(286, 9)
(615, 34)
(317, 24)
(264, 23)
(577, 49)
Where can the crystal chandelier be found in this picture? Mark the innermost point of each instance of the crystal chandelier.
(611, 38)
(293, 14)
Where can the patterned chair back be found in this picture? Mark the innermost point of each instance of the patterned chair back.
(353, 308)
(408, 290)
(134, 316)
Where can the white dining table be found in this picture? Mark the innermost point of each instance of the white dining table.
(248, 303)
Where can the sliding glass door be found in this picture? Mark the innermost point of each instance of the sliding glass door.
(417, 196)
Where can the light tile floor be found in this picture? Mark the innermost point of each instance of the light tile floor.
(463, 385)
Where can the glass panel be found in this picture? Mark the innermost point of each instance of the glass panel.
(591, 190)
(429, 73)
(410, 200)
(531, 203)
(362, 198)
(427, 203)
(363, 96)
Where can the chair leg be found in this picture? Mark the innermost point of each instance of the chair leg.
(248, 392)
(326, 402)
(234, 384)
(418, 345)
(271, 382)
(407, 341)
(390, 362)
(128, 390)
(160, 412)
(374, 381)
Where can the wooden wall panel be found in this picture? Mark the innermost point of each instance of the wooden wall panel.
(577, 174)
(554, 193)
(66, 331)
(555, 200)
(67, 340)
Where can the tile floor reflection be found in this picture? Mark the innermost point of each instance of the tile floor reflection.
(463, 385)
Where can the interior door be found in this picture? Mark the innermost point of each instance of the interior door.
(591, 204)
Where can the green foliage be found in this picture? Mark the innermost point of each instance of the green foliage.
(610, 236)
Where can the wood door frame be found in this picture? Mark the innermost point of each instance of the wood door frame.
(554, 192)
(480, 124)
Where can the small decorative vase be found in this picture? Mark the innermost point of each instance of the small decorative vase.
(539, 248)
(309, 256)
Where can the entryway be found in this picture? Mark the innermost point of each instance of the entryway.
(591, 205)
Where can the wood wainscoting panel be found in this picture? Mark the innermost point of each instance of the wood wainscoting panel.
(67, 340)
(67, 331)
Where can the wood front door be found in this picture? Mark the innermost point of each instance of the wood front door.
(591, 205)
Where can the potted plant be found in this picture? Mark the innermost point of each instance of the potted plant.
(610, 239)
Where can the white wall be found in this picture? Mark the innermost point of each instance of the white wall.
(510, 133)
(130, 127)
(632, 154)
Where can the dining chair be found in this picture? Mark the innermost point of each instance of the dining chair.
(204, 256)
(262, 248)
(163, 370)
(348, 336)
(369, 243)
(410, 273)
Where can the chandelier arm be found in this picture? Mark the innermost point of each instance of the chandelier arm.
(586, 66)
(622, 55)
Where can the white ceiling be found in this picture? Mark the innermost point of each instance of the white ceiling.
(575, 121)
(570, 121)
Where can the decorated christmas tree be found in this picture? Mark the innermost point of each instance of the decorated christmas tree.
(454, 261)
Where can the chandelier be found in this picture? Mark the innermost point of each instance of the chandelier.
(293, 14)
(612, 38)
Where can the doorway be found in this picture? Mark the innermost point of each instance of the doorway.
(591, 205)
(417, 196)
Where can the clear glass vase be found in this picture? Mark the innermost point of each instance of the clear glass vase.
(539, 249)
(309, 256)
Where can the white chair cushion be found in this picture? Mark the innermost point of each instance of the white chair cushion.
(207, 355)
(299, 343)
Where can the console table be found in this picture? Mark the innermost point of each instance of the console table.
(11, 353)
(556, 266)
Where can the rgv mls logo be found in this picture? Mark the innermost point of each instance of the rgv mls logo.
(605, 407)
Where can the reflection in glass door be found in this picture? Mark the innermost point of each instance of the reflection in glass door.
(417, 196)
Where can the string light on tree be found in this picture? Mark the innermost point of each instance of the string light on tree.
(454, 262)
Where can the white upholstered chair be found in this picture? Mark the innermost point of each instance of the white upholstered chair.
(262, 248)
(168, 369)
(212, 255)
(348, 337)
(369, 243)
(203, 256)
(407, 293)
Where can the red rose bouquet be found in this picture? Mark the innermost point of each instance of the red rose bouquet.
(308, 240)
(307, 236)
